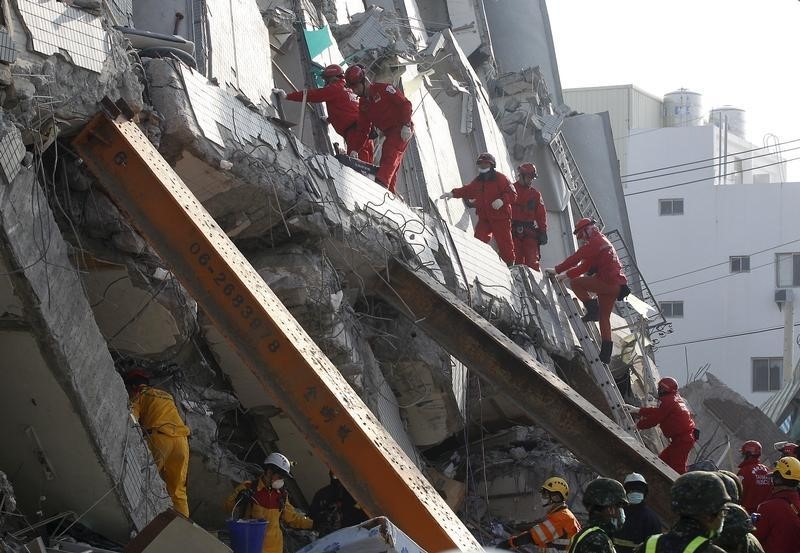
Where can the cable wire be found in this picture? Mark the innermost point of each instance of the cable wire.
(723, 262)
(707, 178)
(726, 336)
(708, 159)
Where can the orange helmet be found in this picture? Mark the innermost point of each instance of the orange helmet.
(528, 169)
(667, 385)
(486, 157)
(751, 447)
(333, 72)
(355, 74)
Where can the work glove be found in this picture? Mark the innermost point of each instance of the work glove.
(541, 237)
(406, 133)
(373, 134)
(632, 409)
(245, 496)
(497, 204)
(550, 272)
(354, 154)
(504, 545)
(446, 196)
(280, 93)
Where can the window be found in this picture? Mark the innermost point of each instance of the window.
(767, 374)
(670, 207)
(740, 263)
(787, 269)
(672, 309)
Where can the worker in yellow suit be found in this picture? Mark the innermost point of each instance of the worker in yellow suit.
(167, 435)
(266, 498)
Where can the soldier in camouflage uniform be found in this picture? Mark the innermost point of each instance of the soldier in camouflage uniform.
(605, 500)
(732, 485)
(735, 536)
(700, 499)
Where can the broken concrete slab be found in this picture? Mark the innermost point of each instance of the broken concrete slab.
(170, 532)
(94, 461)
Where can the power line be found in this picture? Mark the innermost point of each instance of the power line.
(734, 160)
(706, 159)
(722, 262)
(708, 179)
(725, 336)
(713, 279)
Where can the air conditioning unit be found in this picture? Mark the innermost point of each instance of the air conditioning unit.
(782, 295)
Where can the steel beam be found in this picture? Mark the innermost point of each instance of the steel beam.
(583, 429)
(286, 361)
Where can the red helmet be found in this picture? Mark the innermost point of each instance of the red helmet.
(582, 224)
(333, 72)
(528, 169)
(667, 385)
(751, 447)
(486, 157)
(355, 74)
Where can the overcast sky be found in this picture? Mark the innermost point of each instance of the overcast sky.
(744, 53)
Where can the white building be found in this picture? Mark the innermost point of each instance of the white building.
(715, 231)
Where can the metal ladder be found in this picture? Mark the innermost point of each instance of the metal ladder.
(637, 282)
(599, 370)
(572, 175)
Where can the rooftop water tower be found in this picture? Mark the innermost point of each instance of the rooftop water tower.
(730, 116)
(683, 108)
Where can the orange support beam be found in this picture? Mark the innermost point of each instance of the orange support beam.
(291, 368)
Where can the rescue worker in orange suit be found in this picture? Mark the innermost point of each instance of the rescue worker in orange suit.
(556, 530)
(596, 256)
(675, 420)
(167, 435)
(778, 524)
(342, 104)
(383, 106)
(756, 477)
(528, 219)
(267, 499)
(493, 195)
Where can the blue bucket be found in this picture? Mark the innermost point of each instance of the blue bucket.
(247, 535)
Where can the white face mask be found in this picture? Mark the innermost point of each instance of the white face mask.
(483, 170)
(277, 484)
(635, 497)
(619, 521)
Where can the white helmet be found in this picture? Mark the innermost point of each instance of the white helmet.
(279, 461)
(635, 477)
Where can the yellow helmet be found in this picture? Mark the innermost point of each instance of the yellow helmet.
(788, 468)
(554, 484)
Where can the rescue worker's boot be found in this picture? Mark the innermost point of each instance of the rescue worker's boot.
(605, 352)
(592, 310)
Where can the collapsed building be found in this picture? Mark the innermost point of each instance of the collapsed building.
(470, 381)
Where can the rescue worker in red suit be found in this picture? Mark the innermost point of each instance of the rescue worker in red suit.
(756, 478)
(528, 219)
(493, 195)
(606, 279)
(383, 106)
(778, 524)
(342, 104)
(675, 420)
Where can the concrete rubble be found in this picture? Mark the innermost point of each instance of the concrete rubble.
(85, 297)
